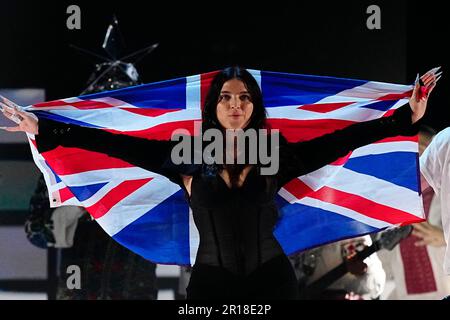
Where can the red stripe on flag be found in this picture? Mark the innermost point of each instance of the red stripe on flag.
(389, 113)
(34, 143)
(73, 160)
(303, 130)
(396, 96)
(162, 131)
(65, 194)
(153, 112)
(90, 104)
(54, 103)
(353, 202)
(298, 188)
(205, 84)
(324, 107)
(400, 139)
(365, 206)
(114, 196)
(86, 104)
(342, 161)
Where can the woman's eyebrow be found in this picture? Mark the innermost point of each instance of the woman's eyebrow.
(242, 92)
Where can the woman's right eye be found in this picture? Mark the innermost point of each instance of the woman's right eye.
(224, 97)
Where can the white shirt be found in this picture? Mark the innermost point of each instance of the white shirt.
(396, 288)
(435, 167)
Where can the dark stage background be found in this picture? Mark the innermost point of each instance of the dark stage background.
(319, 37)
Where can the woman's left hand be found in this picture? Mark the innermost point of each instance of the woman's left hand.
(422, 90)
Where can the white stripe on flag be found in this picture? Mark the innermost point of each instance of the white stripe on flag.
(115, 103)
(344, 212)
(97, 196)
(193, 92)
(127, 211)
(49, 176)
(257, 75)
(319, 178)
(377, 190)
(356, 113)
(375, 90)
(122, 120)
(386, 147)
(106, 175)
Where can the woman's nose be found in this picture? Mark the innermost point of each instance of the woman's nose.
(235, 103)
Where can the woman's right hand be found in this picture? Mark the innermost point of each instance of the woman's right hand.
(26, 121)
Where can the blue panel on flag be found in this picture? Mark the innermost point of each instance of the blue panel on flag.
(168, 94)
(380, 105)
(57, 179)
(284, 89)
(162, 234)
(388, 166)
(303, 227)
(85, 192)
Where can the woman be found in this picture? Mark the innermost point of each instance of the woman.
(233, 205)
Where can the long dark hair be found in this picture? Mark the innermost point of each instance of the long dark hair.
(259, 115)
(258, 119)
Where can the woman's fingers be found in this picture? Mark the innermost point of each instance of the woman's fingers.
(11, 106)
(434, 70)
(429, 76)
(430, 88)
(11, 129)
(13, 116)
(27, 121)
(429, 81)
(10, 103)
(425, 77)
(7, 109)
(7, 114)
(415, 93)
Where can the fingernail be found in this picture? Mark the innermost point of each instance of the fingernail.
(417, 80)
(434, 70)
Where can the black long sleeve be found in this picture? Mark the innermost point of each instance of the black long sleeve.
(297, 159)
(144, 153)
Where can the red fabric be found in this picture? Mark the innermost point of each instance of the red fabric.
(419, 277)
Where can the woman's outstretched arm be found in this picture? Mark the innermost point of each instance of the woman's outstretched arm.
(148, 154)
(297, 159)
(144, 153)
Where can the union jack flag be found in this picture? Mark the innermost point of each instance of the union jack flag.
(372, 188)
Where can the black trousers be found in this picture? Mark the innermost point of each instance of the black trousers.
(273, 280)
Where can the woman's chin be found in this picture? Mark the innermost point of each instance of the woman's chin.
(233, 126)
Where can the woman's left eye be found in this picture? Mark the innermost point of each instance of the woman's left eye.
(245, 97)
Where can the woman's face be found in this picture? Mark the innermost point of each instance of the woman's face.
(235, 106)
